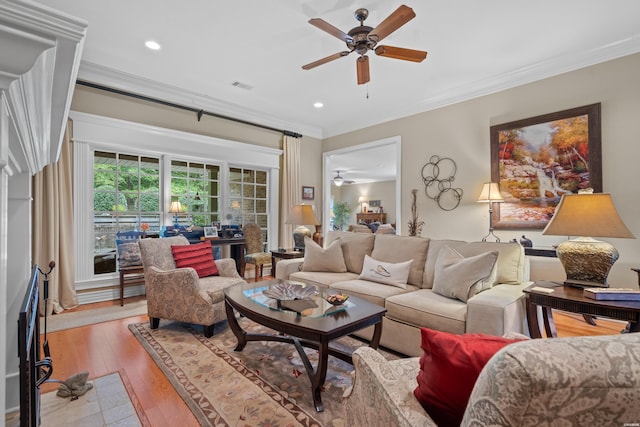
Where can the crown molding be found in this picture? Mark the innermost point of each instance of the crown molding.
(37, 78)
(110, 77)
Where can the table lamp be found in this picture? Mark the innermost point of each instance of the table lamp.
(299, 215)
(175, 208)
(490, 194)
(587, 261)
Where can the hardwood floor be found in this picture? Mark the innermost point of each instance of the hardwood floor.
(108, 347)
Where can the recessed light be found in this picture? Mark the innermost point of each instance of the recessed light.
(152, 44)
(318, 104)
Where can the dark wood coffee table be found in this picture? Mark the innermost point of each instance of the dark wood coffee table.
(570, 299)
(302, 330)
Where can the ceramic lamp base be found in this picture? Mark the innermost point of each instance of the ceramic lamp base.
(587, 261)
(298, 237)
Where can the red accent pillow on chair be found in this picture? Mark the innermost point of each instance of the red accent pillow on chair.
(199, 256)
(449, 369)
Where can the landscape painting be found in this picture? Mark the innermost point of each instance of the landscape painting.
(537, 160)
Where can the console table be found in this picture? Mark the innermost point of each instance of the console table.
(237, 248)
(370, 217)
(570, 299)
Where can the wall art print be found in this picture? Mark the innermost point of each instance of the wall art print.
(537, 160)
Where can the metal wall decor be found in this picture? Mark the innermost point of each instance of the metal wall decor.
(438, 175)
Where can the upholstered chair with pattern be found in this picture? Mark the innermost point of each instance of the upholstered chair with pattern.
(255, 254)
(180, 293)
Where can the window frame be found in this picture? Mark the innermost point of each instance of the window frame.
(93, 132)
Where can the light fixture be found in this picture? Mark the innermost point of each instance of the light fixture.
(338, 180)
(301, 215)
(318, 104)
(490, 194)
(175, 208)
(152, 44)
(587, 261)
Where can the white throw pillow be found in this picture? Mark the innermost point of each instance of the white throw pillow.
(458, 277)
(386, 272)
(329, 260)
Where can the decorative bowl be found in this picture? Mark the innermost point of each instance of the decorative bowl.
(337, 299)
(287, 291)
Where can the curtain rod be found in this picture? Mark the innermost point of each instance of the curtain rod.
(199, 112)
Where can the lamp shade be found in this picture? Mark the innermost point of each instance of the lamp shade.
(176, 207)
(490, 193)
(302, 214)
(592, 215)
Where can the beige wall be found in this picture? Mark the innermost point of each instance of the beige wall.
(461, 132)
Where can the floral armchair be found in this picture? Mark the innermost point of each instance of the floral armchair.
(574, 381)
(178, 293)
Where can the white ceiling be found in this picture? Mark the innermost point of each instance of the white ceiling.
(475, 47)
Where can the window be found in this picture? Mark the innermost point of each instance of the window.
(126, 194)
(197, 187)
(248, 198)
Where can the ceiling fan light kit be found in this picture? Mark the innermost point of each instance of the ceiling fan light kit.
(364, 38)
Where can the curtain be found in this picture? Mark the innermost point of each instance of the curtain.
(290, 193)
(53, 226)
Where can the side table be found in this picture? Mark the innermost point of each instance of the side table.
(286, 254)
(570, 299)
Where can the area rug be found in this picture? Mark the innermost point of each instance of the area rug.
(75, 319)
(265, 384)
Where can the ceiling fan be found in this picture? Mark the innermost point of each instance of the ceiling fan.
(363, 38)
(338, 180)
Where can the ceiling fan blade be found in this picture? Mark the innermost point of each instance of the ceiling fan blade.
(326, 27)
(363, 69)
(401, 53)
(397, 19)
(325, 60)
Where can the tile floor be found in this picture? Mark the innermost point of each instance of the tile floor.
(106, 404)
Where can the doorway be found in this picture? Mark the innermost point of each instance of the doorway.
(364, 168)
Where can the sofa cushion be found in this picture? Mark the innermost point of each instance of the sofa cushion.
(376, 293)
(458, 277)
(359, 228)
(385, 229)
(510, 265)
(317, 258)
(449, 368)
(354, 247)
(387, 273)
(198, 256)
(392, 248)
(426, 308)
(321, 279)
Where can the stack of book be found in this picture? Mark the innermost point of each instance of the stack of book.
(612, 294)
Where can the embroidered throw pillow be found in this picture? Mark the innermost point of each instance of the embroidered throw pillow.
(458, 277)
(386, 273)
(129, 254)
(449, 369)
(199, 256)
(329, 260)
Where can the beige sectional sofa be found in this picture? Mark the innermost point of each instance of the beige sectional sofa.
(495, 311)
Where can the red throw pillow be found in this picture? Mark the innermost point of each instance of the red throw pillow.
(198, 256)
(449, 368)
